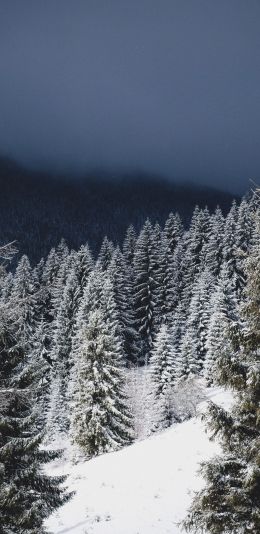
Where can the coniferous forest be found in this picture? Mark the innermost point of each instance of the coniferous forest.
(129, 267)
(102, 350)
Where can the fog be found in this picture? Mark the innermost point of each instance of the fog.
(168, 87)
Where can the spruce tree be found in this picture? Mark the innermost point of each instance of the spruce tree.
(193, 261)
(173, 230)
(105, 254)
(129, 245)
(122, 290)
(101, 422)
(83, 265)
(23, 296)
(223, 309)
(58, 412)
(146, 285)
(27, 495)
(230, 502)
(161, 372)
(213, 248)
(193, 347)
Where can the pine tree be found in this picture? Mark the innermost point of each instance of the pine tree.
(83, 266)
(101, 422)
(145, 269)
(122, 290)
(186, 362)
(105, 254)
(193, 346)
(58, 413)
(193, 261)
(173, 230)
(230, 503)
(27, 495)
(231, 252)
(129, 246)
(40, 357)
(223, 309)
(161, 372)
(213, 248)
(23, 296)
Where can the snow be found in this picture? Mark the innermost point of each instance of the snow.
(143, 489)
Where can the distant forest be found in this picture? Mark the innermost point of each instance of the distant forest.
(36, 209)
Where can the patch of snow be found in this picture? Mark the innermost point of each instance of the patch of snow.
(143, 489)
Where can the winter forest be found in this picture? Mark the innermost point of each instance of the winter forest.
(100, 351)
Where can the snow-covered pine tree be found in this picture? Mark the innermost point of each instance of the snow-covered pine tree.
(161, 372)
(101, 421)
(105, 254)
(223, 310)
(119, 275)
(57, 286)
(6, 284)
(62, 251)
(145, 265)
(90, 301)
(192, 262)
(58, 408)
(193, 346)
(50, 269)
(173, 230)
(39, 356)
(83, 265)
(186, 362)
(167, 276)
(129, 245)
(231, 255)
(23, 296)
(177, 266)
(162, 277)
(230, 502)
(213, 248)
(245, 225)
(176, 333)
(27, 494)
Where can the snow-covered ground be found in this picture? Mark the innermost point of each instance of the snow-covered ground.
(143, 489)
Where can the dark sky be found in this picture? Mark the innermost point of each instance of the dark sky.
(170, 87)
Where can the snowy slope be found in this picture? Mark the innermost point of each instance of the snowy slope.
(143, 489)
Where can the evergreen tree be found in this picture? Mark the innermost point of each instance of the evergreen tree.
(101, 422)
(129, 246)
(161, 373)
(213, 248)
(23, 296)
(193, 346)
(173, 230)
(39, 356)
(27, 495)
(186, 362)
(145, 268)
(105, 254)
(231, 253)
(230, 503)
(83, 265)
(58, 412)
(122, 291)
(223, 309)
(196, 239)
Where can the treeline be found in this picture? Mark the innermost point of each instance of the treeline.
(37, 209)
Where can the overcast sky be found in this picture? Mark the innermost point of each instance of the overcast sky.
(170, 87)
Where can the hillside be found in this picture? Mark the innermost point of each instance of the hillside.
(37, 209)
(143, 489)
